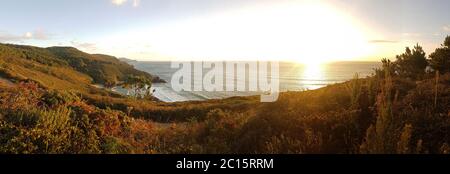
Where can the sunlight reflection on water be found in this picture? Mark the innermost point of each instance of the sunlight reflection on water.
(311, 74)
(293, 77)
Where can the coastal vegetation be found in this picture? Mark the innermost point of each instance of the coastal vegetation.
(52, 107)
(64, 67)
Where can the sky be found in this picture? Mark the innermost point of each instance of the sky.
(296, 30)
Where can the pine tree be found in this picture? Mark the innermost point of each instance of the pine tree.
(440, 58)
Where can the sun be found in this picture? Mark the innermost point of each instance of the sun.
(309, 32)
(324, 34)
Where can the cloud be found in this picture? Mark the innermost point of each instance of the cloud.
(40, 34)
(446, 28)
(28, 35)
(135, 3)
(84, 46)
(118, 2)
(5, 37)
(35, 35)
(382, 41)
(411, 34)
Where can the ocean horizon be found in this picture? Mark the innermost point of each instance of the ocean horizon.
(292, 77)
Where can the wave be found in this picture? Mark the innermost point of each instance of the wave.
(292, 78)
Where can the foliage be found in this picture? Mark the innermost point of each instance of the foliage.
(103, 69)
(50, 109)
(412, 63)
(440, 58)
(39, 121)
(380, 137)
(140, 84)
(64, 67)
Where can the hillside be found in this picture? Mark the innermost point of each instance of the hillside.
(400, 109)
(127, 60)
(64, 67)
(334, 119)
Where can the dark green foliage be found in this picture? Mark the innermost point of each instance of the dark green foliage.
(440, 58)
(412, 63)
(388, 66)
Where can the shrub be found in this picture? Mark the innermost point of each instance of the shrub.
(440, 58)
(412, 63)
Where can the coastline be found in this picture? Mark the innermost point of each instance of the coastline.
(293, 77)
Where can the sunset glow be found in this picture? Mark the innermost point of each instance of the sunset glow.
(306, 32)
(271, 80)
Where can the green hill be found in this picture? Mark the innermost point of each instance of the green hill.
(64, 67)
(402, 108)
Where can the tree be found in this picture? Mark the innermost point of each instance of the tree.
(412, 63)
(387, 65)
(440, 59)
(140, 84)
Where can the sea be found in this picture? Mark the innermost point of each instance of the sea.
(292, 77)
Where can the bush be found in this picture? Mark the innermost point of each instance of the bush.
(412, 63)
(440, 58)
